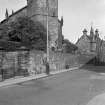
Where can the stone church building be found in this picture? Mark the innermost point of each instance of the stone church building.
(37, 11)
(89, 43)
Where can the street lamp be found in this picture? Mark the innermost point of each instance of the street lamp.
(47, 19)
(47, 7)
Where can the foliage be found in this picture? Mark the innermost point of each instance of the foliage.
(29, 33)
(69, 47)
(4, 30)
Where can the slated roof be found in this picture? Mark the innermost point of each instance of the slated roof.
(14, 14)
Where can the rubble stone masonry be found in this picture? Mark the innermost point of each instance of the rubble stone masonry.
(37, 11)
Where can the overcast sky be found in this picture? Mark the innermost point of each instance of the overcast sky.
(78, 14)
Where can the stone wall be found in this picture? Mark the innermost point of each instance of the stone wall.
(23, 63)
(36, 65)
(14, 63)
(37, 11)
(59, 61)
(53, 27)
(60, 36)
(38, 7)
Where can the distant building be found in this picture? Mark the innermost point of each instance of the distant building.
(89, 43)
(37, 11)
(102, 53)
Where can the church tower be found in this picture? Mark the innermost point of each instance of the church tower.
(6, 14)
(91, 32)
(92, 40)
(85, 32)
(37, 11)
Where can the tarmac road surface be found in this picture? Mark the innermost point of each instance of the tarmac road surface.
(76, 87)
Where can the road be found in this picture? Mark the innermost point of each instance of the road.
(70, 88)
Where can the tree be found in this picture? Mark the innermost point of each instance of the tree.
(4, 30)
(69, 47)
(29, 33)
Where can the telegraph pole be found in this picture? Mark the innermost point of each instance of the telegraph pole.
(47, 7)
(47, 19)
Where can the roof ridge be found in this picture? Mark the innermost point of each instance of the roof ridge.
(14, 13)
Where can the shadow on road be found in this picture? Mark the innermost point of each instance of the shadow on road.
(94, 65)
(98, 69)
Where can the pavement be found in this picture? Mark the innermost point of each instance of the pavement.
(21, 79)
(98, 100)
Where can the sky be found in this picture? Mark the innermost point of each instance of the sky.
(77, 14)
